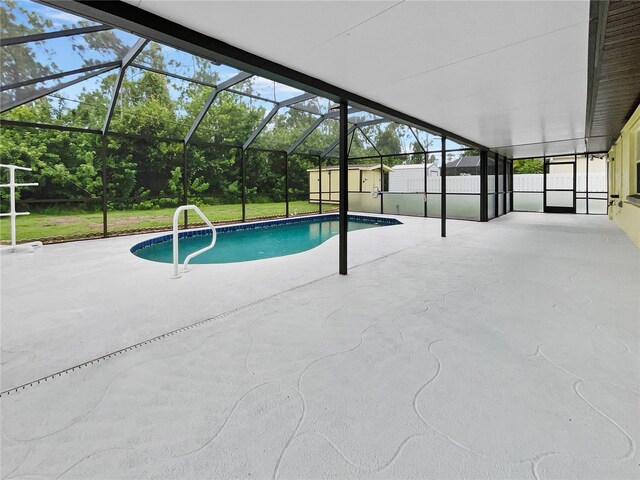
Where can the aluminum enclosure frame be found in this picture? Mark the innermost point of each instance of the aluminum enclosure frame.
(153, 27)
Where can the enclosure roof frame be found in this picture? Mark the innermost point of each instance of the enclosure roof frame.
(127, 59)
(40, 37)
(48, 91)
(154, 27)
(258, 64)
(240, 77)
(53, 76)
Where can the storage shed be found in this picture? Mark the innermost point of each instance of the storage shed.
(325, 184)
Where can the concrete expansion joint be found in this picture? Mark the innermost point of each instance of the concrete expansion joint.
(163, 336)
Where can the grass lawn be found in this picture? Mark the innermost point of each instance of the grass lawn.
(69, 224)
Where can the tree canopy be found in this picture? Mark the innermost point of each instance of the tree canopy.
(530, 165)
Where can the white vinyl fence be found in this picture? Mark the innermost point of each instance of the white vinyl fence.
(412, 180)
(534, 182)
(405, 193)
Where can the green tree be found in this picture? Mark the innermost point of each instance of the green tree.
(530, 165)
(388, 139)
(469, 153)
(418, 156)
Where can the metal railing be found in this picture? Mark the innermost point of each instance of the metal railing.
(191, 256)
(12, 214)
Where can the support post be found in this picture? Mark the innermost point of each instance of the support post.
(496, 189)
(424, 188)
(504, 186)
(586, 183)
(244, 181)
(575, 176)
(510, 194)
(319, 184)
(511, 186)
(286, 183)
(484, 190)
(382, 185)
(544, 184)
(344, 184)
(443, 189)
(103, 153)
(185, 183)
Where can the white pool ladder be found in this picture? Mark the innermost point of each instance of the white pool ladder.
(12, 214)
(191, 256)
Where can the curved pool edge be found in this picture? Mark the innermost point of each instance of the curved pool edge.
(264, 223)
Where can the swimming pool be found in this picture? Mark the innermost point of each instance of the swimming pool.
(255, 241)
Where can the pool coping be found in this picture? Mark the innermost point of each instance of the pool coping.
(266, 223)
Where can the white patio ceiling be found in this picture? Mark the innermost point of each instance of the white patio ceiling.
(508, 75)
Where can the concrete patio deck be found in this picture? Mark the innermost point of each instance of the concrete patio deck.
(509, 349)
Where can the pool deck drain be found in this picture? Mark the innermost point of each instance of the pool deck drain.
(163, 336)
(497, 352)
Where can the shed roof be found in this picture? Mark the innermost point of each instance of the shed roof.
(364, 167)
(413, 166)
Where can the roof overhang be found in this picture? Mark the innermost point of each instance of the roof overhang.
(614, 70)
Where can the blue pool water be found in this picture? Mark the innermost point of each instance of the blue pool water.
(254, 241)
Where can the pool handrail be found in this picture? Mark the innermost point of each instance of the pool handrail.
(176, 215)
